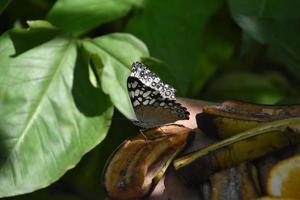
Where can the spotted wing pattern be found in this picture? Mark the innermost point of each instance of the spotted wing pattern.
(153, 101)
(151, 80)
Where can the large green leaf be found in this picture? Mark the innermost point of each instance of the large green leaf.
(79, 16)
(173, 31)
(273, 22)
(116, 52)
(50, 114)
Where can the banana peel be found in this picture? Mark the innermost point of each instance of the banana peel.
(197, 166)
(240, 182)
(136, 166)
(233, 117)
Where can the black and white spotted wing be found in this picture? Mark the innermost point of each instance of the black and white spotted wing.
(153, 101)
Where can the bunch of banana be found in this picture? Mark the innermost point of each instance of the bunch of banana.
(233, 117)
(245, 132)
(248, 131)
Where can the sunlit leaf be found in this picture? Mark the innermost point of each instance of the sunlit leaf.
(50, 114)
(77, 16)
(117, 53)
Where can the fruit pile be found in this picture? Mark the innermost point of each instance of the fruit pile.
(252, 153)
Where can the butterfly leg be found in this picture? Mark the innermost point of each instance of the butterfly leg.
(142, 133)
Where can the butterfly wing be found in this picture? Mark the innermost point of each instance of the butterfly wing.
(151, 80)
(155, 115)
(151, 107)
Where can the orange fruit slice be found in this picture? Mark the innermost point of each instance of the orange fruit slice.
(284, 178)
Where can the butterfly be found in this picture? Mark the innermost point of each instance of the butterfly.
(153, 101)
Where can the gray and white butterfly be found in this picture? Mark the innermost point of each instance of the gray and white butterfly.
(153, 101)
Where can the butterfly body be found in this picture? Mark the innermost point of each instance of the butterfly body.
(153, 101)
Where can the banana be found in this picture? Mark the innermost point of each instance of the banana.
(136, 166)
(197, 166)
(233, 117)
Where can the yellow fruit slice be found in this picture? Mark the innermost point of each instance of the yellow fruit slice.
(284, 178)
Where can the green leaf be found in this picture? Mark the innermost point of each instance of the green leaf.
(78, 17)
(50, 114)
(248, 86)
(3, 5)
(273, 22)
(117, 52)
(173, 31)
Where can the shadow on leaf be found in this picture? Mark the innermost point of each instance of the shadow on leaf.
(88, 99)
